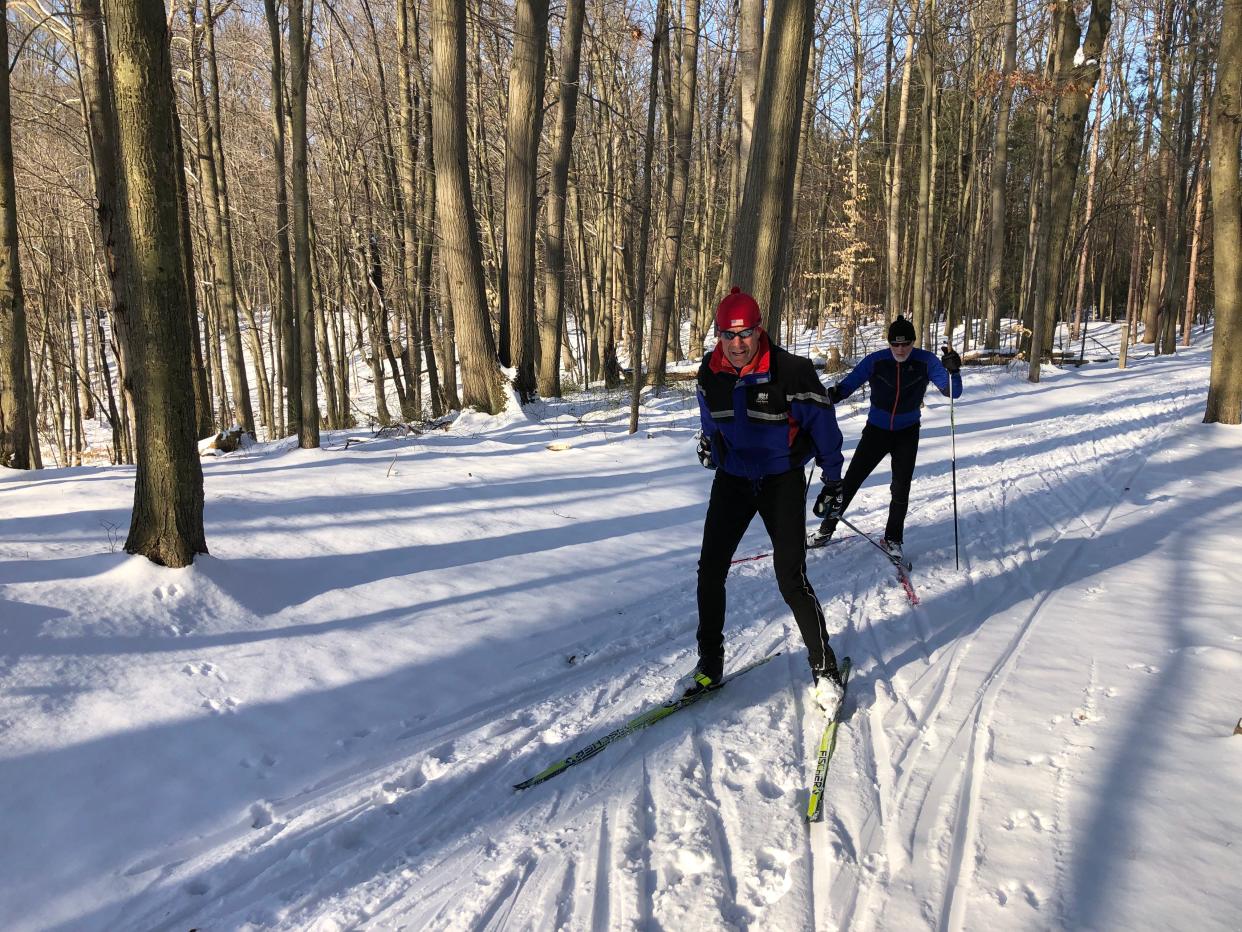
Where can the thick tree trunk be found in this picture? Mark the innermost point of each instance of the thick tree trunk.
(530, 40)
(167, 521)
(1224, 400)
(461, 255)
(17, 432)
(761, 241)
(558, 182)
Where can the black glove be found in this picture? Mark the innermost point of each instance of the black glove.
(705, 452)
(834, 394)
(831, 500)
(950, 360)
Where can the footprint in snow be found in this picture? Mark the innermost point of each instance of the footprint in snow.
(1011, 888)
(1145, 667)
(771, 880)
(1026, 818)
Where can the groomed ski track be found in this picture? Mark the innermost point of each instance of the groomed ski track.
(984, 693)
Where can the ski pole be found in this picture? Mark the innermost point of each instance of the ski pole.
(871, 540)
(957, 559)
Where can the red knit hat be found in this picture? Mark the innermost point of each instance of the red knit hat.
(738, 311)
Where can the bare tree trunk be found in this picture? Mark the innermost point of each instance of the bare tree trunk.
(17, 430)
(761, 241)
(1000, 162)
(1196, 230)
(1224, 400)
(893, 177)
(1076, 73)
(750, 58)
(299, 66)
(214, 186)
(461, 255)
(167, 521)
(530, 40)
(1089, 209)
(558, 182)
(642, 205)
(290, 342)
(923, 223)
(675, 208)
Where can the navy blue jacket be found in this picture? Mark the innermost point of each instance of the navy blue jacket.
(770, 418)
(897, 390)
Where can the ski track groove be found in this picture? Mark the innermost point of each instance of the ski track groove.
(600, 903)
(717, 831)
(961, 869)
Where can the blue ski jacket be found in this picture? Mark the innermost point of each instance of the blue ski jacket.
(771, 417)
(897, 390)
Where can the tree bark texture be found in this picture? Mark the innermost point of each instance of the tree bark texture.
(1000, 163)
(17, 430)
(461, 255)
(761, 241)
(1077, 72)
(530, 40)
(1224, 400)
(289, 349)
(304, 299)
(663, 315)
(167, 521)
(558, 182)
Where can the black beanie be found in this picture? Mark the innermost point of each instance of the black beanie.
(900, 329)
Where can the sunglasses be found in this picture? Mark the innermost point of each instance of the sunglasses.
(900, 344)
(727, 335)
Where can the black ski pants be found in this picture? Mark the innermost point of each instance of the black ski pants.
(875, 444)
(780, 501)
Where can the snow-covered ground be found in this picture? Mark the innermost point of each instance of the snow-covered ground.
(319, 725)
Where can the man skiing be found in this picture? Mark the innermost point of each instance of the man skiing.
(898, 377)
(764, 414)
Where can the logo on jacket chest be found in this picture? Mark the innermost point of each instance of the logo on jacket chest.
(761, 397)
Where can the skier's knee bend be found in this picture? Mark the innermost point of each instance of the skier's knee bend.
(791, 580)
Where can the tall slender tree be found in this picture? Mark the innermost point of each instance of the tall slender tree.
(289, 348)
(304, 300)
(17, 433)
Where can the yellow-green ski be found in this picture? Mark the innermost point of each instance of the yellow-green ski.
(650, 717)
(827, 744)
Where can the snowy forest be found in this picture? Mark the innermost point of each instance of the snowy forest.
(348, 473)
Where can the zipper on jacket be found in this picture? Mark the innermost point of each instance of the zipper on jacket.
(892, 417)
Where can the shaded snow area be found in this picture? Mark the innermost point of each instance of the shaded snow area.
(319, 725)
